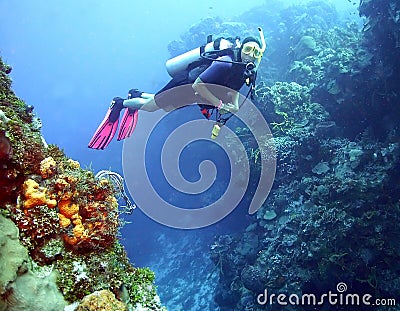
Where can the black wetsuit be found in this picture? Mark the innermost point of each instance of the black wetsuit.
(221, 77)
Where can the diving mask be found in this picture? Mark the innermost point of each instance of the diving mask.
(252, 50)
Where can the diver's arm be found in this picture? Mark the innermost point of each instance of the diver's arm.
(201, 88)
(234, 106)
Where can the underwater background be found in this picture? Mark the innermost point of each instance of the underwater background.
(328, 88)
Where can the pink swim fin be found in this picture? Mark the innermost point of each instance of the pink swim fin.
(106, 130)
(128, 123)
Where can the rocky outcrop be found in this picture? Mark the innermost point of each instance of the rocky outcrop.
(20, 288)
(13, 256)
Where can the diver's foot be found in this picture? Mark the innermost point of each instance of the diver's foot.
(116, 106)
(134, 93)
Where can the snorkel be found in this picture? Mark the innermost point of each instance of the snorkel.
(262, 38)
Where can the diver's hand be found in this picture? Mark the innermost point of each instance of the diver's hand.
(227, 108)
(223, 110)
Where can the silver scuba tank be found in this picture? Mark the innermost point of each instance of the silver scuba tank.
(181, 62)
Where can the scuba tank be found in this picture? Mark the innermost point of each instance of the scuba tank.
(189, 60)
(182, 62)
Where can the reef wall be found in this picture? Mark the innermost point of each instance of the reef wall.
(328, 88)
(58, 226)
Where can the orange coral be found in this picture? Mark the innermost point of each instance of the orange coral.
(93, 223)
(86, 224)
(67, 208)
(35, 195)
(69, 214)
(86, 216)
(64, 221)
(79, 231)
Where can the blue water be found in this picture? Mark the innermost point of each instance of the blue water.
(70, 58)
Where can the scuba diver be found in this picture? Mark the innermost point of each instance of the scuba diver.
(227, 63)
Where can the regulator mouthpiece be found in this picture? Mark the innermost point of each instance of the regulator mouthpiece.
(250, 66)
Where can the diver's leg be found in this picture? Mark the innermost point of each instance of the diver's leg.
(147, 95)
(138, 100)
(146, 104)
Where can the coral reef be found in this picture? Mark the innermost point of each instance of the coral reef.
(332, 215)
(110, 270)
(59, 225)
(76, 206)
